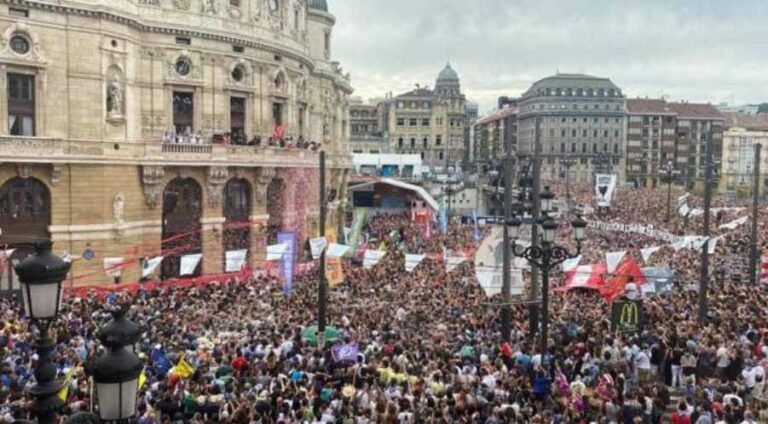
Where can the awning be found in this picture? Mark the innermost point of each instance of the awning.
(395, 183)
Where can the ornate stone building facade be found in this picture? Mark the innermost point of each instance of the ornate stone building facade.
(429, 122)
(574, 115)
(124, 127)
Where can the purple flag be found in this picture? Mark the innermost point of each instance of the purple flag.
(345, 352)
(288, 261)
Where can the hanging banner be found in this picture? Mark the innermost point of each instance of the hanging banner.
(412, 261)
(235, 260)
(189, 264)
(443, 217)
(316, 245)
(288, 261)
(334, 272)
(358, 221)
(149, 266)
(491, 281)
(735, 223)
(474, 222)
(372, 257)
(452, 262)
(570, 264)
(648, 252)
(605, 184)
(713, 245)
(612, 260)
(275, 252)
(114, 266)
(337, 250)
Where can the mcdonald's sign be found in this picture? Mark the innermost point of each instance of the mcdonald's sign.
(627, 316)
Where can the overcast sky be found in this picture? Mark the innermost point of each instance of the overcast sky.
(696, 50)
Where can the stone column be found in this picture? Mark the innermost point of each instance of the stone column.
(213, 252)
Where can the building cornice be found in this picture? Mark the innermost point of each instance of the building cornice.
(322, 17)
(164, 28)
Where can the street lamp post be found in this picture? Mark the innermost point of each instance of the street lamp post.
(567, 162)
(668, 175)
(546, 256)
(40, 276)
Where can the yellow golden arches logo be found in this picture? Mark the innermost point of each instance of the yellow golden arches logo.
(630, 315)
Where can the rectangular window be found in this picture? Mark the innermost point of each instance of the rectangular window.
(237, 119)
(238, 49)
(183, 111)
(439, 140)
(277, 113)
(425, 122)
(413, 122)
(400, 122)
(21, 104)
(18, 13)
(185, 41)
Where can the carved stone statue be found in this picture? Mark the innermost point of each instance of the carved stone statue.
(118, 207)
(209, 6)
(115, 96)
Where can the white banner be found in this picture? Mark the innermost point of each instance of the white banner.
(150, 266)
(453, 262)
(275, 252)
(570, 264)
(337, 250)
(235, 260)
(605, 184)
(492, 280)
(316, 245)
(735, 223)
(114, 266)
(372, 257)
(189, 263)
(613, 259)
(648, 252)
(412, 261)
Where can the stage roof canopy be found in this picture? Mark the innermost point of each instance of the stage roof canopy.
(411, 187)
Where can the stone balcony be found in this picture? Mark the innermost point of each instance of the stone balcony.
(52, 150)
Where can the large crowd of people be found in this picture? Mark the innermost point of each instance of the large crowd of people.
(429, 343)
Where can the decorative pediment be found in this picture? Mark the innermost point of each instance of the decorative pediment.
(20, 45)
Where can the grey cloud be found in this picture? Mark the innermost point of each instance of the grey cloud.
(699, 50)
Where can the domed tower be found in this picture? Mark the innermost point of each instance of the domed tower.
(320, 24)
(448, 84)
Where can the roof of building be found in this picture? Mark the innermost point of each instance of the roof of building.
(649, 106)
(697, 110)
(497, 115)
(418, 92)
(748, 122)
(395, 183)
(448, 75)
(681, 109)
(574, 81)
(321, 5)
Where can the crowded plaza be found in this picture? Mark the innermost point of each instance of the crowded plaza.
(425, 344)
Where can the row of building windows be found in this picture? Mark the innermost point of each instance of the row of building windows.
(414, 105)
(584, 106)
(584, 133)
(425, 122)
(424, 141)
(585, 119)
(585, 148)
(579, 92)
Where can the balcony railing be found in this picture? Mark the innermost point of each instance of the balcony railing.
(48, 150)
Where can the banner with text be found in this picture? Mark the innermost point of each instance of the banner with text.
(288, 260)
(605, 184)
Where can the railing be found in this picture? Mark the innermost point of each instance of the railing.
(47, 150)
(188, 149)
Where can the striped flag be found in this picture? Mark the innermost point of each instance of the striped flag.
(764, 269)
